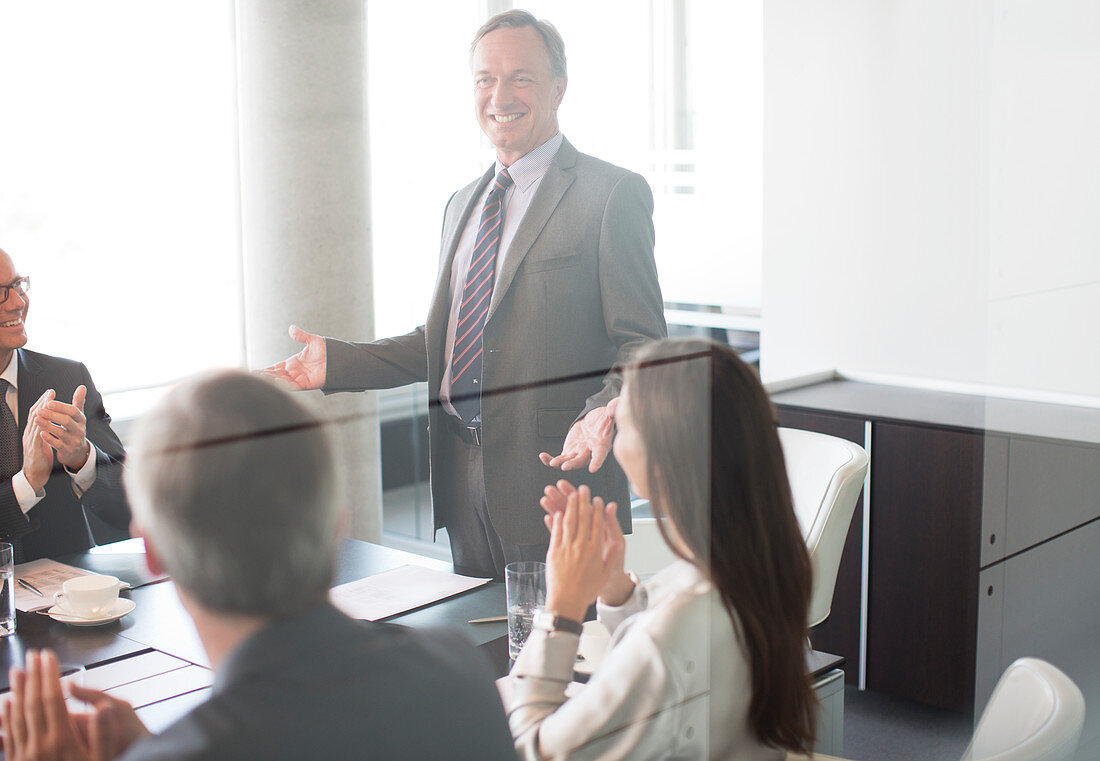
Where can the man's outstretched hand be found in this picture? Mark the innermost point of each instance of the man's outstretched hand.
(588, 441)
(306, 370)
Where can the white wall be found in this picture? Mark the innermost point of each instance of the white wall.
(1044, 195)
(930, 190)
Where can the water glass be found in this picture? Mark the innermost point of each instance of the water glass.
(525, 589)
(7, 589)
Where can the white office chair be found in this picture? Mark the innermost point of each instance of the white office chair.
(1035, 713)
(826, 475)
(646, 551)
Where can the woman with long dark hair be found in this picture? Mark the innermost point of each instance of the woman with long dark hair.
(706, 659)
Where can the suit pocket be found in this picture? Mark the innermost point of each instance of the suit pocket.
(550, 263)
(554, 424)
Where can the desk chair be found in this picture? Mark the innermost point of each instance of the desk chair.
(1036, 713)
(826, 475)
(646, 551)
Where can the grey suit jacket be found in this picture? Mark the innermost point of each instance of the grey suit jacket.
(321, 686)
(56, 525)
(577, 293)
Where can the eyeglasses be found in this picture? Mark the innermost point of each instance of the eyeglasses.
(20, 286)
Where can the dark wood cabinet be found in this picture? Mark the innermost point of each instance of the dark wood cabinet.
(980, 539)
(926, 506)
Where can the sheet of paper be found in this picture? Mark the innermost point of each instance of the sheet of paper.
(47, 576)
(398, 590)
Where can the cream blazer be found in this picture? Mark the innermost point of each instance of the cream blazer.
(675, 683)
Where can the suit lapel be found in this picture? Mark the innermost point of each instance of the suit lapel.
(557, 180)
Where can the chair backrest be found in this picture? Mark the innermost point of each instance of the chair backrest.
(826, 475)
(1036, 713)
(646, 551)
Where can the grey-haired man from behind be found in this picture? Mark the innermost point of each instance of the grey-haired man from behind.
(235, 490)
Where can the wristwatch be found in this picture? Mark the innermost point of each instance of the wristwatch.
(547, 621)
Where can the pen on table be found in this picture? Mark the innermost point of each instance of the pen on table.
(489, 620)
(27, 585)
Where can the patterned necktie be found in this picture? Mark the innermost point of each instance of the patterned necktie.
(476, 296)
(11, 449)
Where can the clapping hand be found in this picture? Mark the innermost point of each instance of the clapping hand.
(588, 441)
(619, 585)
(64, 427)
(38, 726)
(306, 370)
(37, 454)
(580, 560)
(113, 723)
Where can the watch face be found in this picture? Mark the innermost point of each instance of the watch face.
(543, 620)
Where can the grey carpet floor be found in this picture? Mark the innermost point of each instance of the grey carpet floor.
(882, 728)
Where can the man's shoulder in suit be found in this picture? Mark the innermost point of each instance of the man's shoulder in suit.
(34, 360)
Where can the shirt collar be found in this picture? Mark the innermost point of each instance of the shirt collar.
(11, 372)
(532, 166)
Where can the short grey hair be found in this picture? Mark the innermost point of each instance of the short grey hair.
(233, 480)
(517, 19)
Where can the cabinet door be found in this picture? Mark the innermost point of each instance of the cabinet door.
(926, 491)
(839, 633)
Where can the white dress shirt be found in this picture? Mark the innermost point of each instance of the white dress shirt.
(24, 493)
(526, 173)
(675, 683)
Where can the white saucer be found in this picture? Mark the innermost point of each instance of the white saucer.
(593, 646)
(121, 607)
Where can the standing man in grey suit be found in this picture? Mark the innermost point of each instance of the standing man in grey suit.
(546, 281)
(236, 492)
(58, 454)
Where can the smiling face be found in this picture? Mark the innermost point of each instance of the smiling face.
(516, 95)
(13, 312)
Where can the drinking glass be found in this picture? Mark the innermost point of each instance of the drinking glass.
(7, 590)
(525, 590)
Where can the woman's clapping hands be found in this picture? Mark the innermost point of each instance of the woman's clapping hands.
(585, 559)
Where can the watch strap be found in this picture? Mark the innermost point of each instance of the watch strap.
(550, 622)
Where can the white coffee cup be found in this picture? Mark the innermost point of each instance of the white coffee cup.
(88, 596)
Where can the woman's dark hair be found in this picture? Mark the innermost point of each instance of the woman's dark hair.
(715, 470)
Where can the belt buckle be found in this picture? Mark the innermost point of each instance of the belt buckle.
(475, 434)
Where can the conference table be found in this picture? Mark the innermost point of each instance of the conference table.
(153, 659)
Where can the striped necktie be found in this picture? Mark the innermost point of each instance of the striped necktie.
(476, 296)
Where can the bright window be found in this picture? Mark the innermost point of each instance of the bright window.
(675, 94)
(118, 182)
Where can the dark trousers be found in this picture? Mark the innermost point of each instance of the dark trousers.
(476, 547)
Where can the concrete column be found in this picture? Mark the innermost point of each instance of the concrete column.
(305, 219)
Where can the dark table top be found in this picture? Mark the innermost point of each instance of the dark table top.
(159, 621)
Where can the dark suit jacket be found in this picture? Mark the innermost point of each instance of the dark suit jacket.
(321, 686)
(56, 525)
(577, 293)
